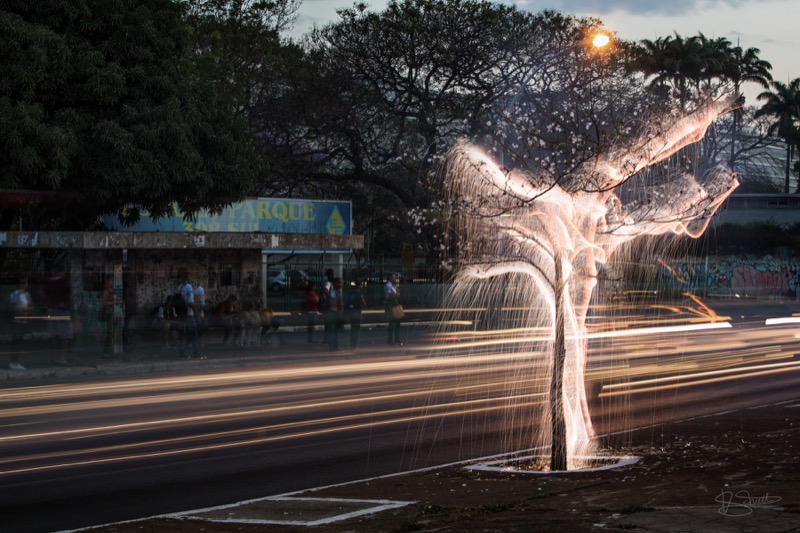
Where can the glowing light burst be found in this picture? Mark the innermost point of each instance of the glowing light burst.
(532, 245)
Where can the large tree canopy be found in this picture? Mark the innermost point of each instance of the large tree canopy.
(239, 46)
(393, 90)
(410, 80)
(103, 99)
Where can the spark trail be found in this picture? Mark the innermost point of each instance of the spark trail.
(530, 244)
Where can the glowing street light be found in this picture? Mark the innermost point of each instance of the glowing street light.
(597, 40)
(601, 40)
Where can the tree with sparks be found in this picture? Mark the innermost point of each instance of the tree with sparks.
(545, 239)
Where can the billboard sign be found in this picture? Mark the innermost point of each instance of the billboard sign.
(263, 215)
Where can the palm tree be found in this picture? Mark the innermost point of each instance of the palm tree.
(744, 66)
(675, 61)
(715, 55)
(783, 102)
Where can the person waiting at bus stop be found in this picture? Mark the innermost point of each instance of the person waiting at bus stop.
(333, 311)
(394, 311)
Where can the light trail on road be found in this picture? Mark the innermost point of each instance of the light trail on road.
(427, 394)
(173, 440)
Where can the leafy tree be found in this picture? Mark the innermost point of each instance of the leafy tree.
(571, 108)
(675, 62)
(696, 68)
(239, 45)
(101, 102)
(415, 73)
(783, 104)
(395, 89)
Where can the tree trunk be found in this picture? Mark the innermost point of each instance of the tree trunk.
(558, 453)
(788, 166)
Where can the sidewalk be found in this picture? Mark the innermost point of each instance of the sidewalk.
(289, 344)
(147, 356)
(735, 472)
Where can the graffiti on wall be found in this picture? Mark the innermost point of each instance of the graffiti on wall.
(743, 276)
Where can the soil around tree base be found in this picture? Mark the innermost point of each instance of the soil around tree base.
(732, 472)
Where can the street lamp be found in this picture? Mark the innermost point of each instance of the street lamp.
(597, 40)
(601, 40)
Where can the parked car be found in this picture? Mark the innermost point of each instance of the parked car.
(278, 280)
(299, 279)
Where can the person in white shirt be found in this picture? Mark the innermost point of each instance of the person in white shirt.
(188, 326)
(200, 312)
(391, 294)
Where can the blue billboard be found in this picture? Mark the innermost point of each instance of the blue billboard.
(262, 215)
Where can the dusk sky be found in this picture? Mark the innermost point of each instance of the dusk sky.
(770, 25)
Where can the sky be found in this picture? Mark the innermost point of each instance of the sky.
(769, 25)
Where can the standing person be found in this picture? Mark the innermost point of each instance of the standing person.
(224, 313)
(57, 294)
(20, 304)
(164, 320)
(269, 325)
(311, 308)
(354, 304)
(107, 302)
(324, 306)
(333, 314)
(183, 304)
(251, 325)
(200, 308)
(391, 295)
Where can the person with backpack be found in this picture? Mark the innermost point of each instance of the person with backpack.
(183, 306)
(19, 305)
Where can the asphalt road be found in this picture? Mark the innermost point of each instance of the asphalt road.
(85, 452)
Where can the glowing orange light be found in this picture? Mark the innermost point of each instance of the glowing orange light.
(601, 40)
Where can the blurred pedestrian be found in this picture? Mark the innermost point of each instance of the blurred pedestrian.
(224, 314)
(334, 314)
(20, 305)
(200, 312)
(164, 319)
(108, 316)
(324, 304)
(311, 308)
(394, 310)
(183, 304)
(354, 304)
(251, 325)
(269, 325)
